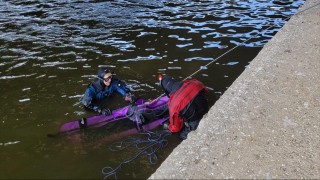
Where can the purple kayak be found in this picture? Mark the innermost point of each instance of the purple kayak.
(119, 114)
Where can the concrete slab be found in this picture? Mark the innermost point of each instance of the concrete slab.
(267, 124)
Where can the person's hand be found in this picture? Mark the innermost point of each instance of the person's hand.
(165, 126)
(105, 111)
(130, 98)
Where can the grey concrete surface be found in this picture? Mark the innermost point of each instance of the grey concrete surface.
(267, 124)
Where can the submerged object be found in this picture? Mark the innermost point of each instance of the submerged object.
(123, 113)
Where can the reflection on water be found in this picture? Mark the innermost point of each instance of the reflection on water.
(50, 50)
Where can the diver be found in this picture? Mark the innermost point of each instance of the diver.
(187, 104)
(102, 87)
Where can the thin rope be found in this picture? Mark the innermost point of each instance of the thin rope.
(269, 26)
(317, 4)
(149, 146)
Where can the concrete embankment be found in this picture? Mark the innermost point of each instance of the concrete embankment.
(267, 124)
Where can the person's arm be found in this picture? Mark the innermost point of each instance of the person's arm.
(88, 103)
(122, 89)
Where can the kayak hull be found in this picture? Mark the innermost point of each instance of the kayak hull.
(119, 114)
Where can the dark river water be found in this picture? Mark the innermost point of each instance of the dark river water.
(50, 51)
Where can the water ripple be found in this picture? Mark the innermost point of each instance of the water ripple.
(73, 23)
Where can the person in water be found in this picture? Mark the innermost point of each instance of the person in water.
(102, 87)
(187, 104)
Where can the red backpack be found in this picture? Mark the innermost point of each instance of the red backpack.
(180, 99)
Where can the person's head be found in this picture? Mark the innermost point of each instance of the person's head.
(107, 79)
(169, 85)
(105, 75)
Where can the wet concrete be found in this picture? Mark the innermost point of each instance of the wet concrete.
(267, 124)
